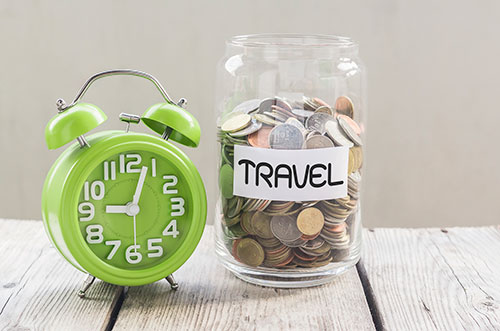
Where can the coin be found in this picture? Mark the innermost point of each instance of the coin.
(285, 228)
(261, 224)
(277, 116)
(282, 103)
(286, 136)
(356, 128)
(318, 142)
(317, 122)
(324, 109)
(266, 119)
(250, 252)
(302, 113)
(260, 138)
(310, 221)
(356, 139)
(236, 123)
(247, 106)
(253, 127)
(298, 124)
(320, 102)
(226, 181)
(343, 105)
(290, 234)
(337, 134)
(266, 105)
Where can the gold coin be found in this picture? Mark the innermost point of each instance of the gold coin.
(236, 123)
(246, 223)
(358, 153)
(250, 252)
(261, 224)
(352, 160)
(310, 221)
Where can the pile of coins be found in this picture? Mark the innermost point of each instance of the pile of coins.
(289, 234)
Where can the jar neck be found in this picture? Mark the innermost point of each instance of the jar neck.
(292, 46)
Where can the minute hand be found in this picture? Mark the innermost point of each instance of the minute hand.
(140, 184)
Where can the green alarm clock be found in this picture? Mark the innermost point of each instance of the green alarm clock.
(127, 208)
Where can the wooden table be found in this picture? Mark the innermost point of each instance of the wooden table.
(408, 279)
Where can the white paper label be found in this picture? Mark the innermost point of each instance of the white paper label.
(290, 175)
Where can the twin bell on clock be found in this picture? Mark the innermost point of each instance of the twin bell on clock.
(127, 208)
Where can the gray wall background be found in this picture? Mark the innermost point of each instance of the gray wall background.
(433, 89)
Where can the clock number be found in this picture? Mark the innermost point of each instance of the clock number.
(130, 164)
(171, 229)
(153, 247)
(177, 206)
(109, 168)
(92, 191)
(94, 234)
(153, 167)
(173, 182)
(116, 244)
(86, 208)
(132, 255)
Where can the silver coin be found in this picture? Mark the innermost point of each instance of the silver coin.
(247, 106)
(296, 243)
(355, 138)
(286, 136)
(296, 123)
(285, 228)
(276, 116)
(324, 109)
(266, 105)
(317, 122)
(337, 134)
(253, 127)
(314, 142)
(280, 102)
(314, 244)
(302, 112)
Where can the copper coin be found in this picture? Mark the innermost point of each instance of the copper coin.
(260, 138)
(354, 126)
(344, 106)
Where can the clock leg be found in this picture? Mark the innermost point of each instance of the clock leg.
(173, 284)
(86, 284)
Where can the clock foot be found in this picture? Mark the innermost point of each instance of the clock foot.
(86, 284)
(173, 284)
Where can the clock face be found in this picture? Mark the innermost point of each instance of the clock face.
(132, 212)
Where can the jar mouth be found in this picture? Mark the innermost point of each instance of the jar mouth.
(292, 41)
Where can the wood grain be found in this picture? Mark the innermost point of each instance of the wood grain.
(210, 297)
(38, 287)
(431, 279)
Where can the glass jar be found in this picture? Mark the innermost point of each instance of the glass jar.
(290, 122)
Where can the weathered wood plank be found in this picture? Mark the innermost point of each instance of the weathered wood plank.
(38, 288)
(431, 279)
(210, 297)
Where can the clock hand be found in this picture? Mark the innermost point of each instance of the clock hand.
(140, 184)
(135, 236)
(116, 209)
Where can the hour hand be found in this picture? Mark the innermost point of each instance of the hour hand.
(116, 209)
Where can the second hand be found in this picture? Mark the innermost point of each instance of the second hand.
(135, 237)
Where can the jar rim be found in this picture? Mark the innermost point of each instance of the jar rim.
(292, 40)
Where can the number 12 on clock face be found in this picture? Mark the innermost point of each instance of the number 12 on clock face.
(131, 209)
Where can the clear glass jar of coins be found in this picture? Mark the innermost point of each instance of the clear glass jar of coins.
(291, 132)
